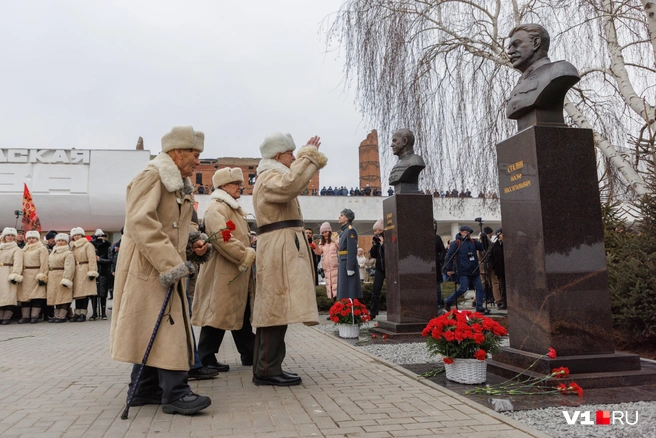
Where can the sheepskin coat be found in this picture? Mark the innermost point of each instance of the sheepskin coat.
(86, 269)
(285, 275)
(60, 281)
(217, 303)
(10, 254)
(35, 268)
(329, 264)
(158, 209)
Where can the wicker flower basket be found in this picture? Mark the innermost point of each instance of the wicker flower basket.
(349, 331)
(468, 371)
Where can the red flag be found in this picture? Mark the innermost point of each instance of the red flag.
(30, 219)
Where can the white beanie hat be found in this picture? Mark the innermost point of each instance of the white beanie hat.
(75, 231)
(61, 236)
(325, 227)
(378, 226)
(8, 231)
(276, 142)
(227, 175)
(32, 234)
(98, 232)
(181, 137)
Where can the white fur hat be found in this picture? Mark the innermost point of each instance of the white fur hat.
(181, 137)
(227, 175)
(99, 232)
(8, 231)
(276, 142)
(75, 231)
(61, 236)
(32, 233)
(199, 141)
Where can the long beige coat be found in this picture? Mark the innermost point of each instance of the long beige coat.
(217, 303)
(35, 261)
(285, 275)
(60, 281)
(10, 254)
(85, 266)
(158, 205)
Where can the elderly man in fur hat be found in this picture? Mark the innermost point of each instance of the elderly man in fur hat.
(225, 283)
(348, 275)
(285, 278)
(159, 205)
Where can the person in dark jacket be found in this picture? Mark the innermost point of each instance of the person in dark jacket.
(440, 253)
(104, 260)
(462, 254)
(498, 266)
(348, 274)
(377, 252)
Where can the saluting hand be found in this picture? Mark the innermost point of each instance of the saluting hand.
(315, 141)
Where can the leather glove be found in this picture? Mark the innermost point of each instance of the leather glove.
(350, 273)
(91, 278)
(42, 283)
(13, 282)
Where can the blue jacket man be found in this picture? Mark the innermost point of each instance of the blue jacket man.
(463, 252)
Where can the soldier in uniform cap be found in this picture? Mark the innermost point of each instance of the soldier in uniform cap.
(348, 275)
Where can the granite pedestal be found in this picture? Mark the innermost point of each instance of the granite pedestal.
(556, 279)
(410, 268)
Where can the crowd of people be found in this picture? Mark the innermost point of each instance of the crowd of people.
(357, 191)
(174, 272)
(45, 277)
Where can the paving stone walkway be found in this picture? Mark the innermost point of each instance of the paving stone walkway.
(59, 381)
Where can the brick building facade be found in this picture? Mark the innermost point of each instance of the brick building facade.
(370, 161)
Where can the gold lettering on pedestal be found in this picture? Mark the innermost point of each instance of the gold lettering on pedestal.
(516, 166)
(515, 177)
(388, 219)
(515, 187)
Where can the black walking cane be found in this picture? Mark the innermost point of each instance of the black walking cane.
(124, 415)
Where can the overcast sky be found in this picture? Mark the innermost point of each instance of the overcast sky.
(97, 75)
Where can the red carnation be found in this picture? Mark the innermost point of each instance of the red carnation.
(552, 353)
(560, 372)
(447, 361)
(480, 355)
(231, 225)
(226, 235)
(479, 338)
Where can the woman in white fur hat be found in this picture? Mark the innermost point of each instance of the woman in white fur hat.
(221, 304)
(61, 268)
(11, 270)
(86, 272)
(32, 293)
(327, 249)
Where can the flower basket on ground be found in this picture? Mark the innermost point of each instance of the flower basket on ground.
(349, 315)
(464, 339)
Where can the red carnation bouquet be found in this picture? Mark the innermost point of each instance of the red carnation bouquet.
(348, 311)
(464, 335)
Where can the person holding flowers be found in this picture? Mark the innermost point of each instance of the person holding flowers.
(11, 273)
(285, 279)
(225, 284)
(32, 293)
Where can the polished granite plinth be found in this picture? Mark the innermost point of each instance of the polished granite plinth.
(556, 279)
(410, 269)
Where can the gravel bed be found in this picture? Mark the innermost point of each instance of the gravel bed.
(549, 420)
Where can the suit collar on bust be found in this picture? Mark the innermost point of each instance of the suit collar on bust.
(537, 64)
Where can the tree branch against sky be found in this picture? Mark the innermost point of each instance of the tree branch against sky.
(439, 67)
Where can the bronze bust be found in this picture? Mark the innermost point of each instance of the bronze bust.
(405, 173)
(538, 97)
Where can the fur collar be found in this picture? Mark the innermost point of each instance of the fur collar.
(32, 246)
(8, 245)
(60, 249)
(79, 242)
(223, 196)
(170, 174)
(271, 164)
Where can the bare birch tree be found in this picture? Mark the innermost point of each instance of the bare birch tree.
(439, 67)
